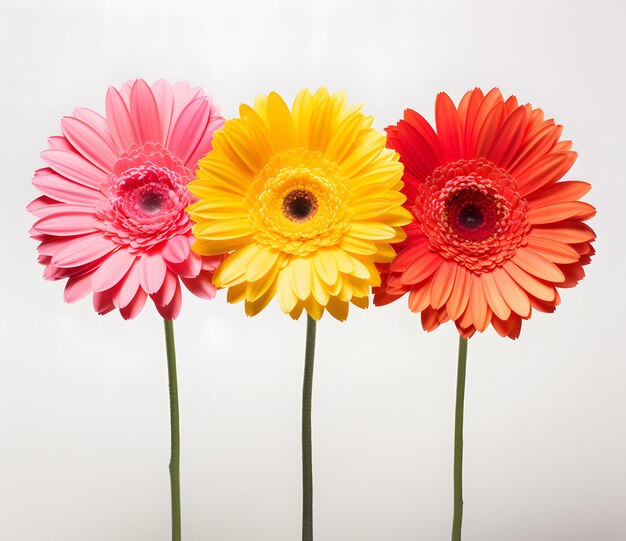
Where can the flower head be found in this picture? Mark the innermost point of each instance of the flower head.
(112, 218)
(494, 232)
(307, 200)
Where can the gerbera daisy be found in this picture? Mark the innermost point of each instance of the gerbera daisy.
(307, 200)
(494, 231)
(112, 218)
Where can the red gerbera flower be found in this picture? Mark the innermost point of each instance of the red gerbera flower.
(494, 233)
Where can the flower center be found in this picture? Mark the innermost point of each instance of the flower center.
(299, 202)
(145, 198)
(151, 201)
(471, 212)
(299, 206)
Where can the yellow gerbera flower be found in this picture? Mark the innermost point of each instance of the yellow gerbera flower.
(307, 201)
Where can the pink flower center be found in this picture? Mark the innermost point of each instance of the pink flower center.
(471, 212)
(146, 198)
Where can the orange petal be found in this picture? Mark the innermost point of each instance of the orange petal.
(532, 285)
(499, 307)
(508, 138)
(570, 232)
(544, 172)
(537, 265)
(511, 292)
(488, 130)
(557, 212)
(422, 268)
(568, 190)
(448, 126)
(478, 305)
(459, 296)
(419, 297)
(442, 283)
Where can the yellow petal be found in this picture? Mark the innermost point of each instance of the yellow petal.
(219, 247)
(300, 276)
(326, 265)
(281, 123)
(233, 268)
(357, 246)
(254, 307)
(286, 296)
(301, 112)
(262, 263)
(222, 229)
(371, 231)
(338, 309)
(319, 289)
(363, 151)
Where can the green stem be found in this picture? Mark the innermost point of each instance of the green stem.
(174, 429)
(458, 441)
(307, 465)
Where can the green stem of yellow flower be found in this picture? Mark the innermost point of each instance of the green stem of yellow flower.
(174, 429)
(307, 464)
(458, 441)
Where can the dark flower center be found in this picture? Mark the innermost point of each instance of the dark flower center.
(472, 214)
(471, 217)
(299, 206)
(151, 201)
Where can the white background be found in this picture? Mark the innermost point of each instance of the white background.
(84, 441)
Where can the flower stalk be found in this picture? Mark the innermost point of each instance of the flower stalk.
(174, 429)
(307, 462)
(458, 440)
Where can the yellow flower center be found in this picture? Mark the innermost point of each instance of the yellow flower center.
(299, 202)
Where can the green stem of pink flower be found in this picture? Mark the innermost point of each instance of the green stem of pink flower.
(174, 429)
(307, 463)
(458, 441)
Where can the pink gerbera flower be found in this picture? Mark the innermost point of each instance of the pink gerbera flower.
(112, 218)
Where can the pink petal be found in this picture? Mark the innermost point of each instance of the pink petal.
(211, 262)
(127, 288)
(60, 143)
(44, 206)
(112, 270)
(62, 189)
(189, 129)
(164, 97)
(190, 268)
(144, 113)
(77, 288)
(95, 121)
(89, 143)
(132, 309)
(205, 146)
(202, 286)
(183, 94)
(119, 121)
(83, 250)
(166, 293)
(75, 167)
(68, 223)
(102, 302)
(152, 271)
(172, 309)
(177, 249)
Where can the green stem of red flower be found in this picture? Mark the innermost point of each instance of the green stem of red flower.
(458, 441)
(174, 429)
(307, 464)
